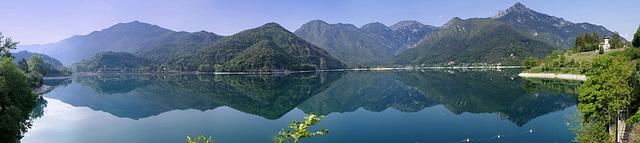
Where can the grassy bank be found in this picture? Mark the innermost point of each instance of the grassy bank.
(568, 62)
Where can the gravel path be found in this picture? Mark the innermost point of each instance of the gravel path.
(551, 75)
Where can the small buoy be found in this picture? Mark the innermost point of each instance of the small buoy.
(467, 139)
(498, 136)
(567, 124)
(530, 131)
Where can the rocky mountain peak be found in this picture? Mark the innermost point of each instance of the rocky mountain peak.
(451, 22)
(375, 26)
(406, 24)
(518, 7)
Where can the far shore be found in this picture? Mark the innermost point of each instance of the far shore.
(552, 75)
(277, 72)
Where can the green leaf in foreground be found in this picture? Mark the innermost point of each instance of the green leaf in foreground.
(300, 129)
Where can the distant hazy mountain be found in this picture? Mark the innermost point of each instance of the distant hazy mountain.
(372, 43)
(129, 37)
(475, 40)
(553, 29)
(26, 55)
(266, 48)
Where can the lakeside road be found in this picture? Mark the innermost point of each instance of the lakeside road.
(552, 75)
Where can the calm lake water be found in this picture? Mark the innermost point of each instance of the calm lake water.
(391, 106)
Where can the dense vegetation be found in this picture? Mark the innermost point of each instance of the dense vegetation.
(16, 97)
(611, 91)
(373, 43)
(26, 55)
(611, 86)
(267, 48)
(589, 42)
(173, 44)
(114, 62)
(475, 41)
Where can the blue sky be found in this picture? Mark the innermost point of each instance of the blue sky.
(41, 22)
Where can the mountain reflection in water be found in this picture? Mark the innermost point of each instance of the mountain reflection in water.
(272, 96)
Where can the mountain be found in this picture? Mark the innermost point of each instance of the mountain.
(553, 29)
(112, 62)
(266, 48)
(174, 44)
(372, 43)
(26, 55)
(475, 40)
(129, 37)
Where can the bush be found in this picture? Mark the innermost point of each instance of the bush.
(16, 101)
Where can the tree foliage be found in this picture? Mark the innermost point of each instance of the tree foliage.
(586, 42)
(16, 101)
(300, 129)
(36, 63)
(22, 65)
(636, 38)
(612, 85)
(530, 62)
(7, 44)
(114, 62)
(202, 138)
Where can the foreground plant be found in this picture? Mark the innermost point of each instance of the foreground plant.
(201, 137)
(300, 129)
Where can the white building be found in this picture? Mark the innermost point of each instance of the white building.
(605, 45)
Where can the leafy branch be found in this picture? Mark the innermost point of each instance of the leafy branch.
(300, 129)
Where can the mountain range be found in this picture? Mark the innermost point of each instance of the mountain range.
(370, 44)
(134, 37)
(507, 37)
(476, 40)
(553, 29)
(265, 48)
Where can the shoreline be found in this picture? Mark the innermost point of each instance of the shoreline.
(41, 89)
(553, 75)
(277, 72)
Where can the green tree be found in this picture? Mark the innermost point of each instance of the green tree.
(6, 44)
(636, 38)
(36, 63)
(22, 65)
(562, 60)
(554, 54)
(600, 50)
(530, 62)
(615, 41)
(610, 86)
(595, 38)
(16, 101)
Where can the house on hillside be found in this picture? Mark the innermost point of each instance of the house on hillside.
(605, 45)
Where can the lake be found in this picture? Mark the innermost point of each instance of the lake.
(362, 106)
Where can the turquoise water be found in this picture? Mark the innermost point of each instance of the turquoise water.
(399, 106)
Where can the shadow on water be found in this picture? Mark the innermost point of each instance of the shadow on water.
(272, 96)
